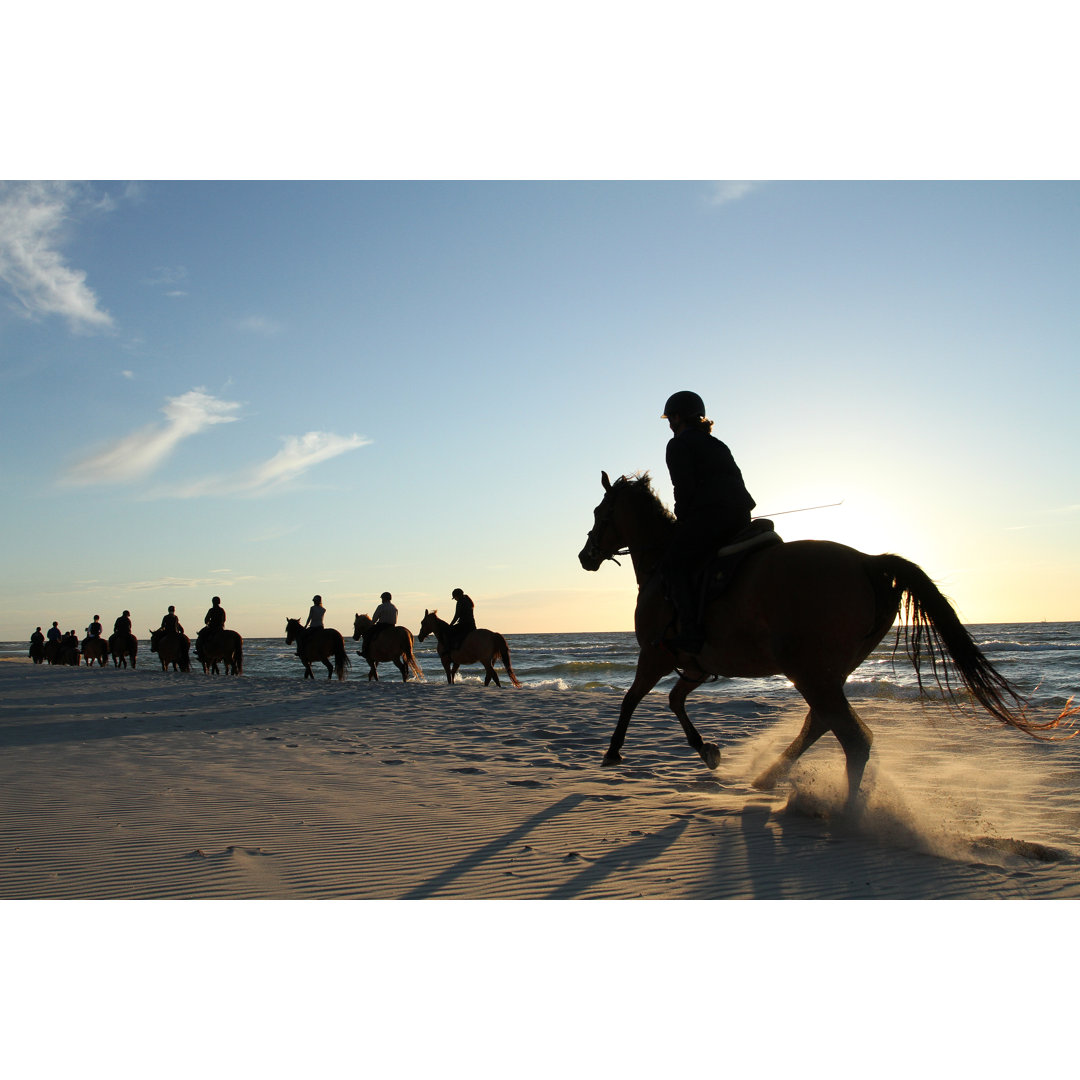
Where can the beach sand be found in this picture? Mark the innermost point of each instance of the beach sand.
(142, 785)
(132, 785)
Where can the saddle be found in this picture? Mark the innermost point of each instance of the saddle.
(720, 571)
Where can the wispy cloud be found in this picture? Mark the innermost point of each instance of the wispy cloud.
(33, 220)
(728, 191)
(140, 453)
(183, 583)
(169, 278)
(299, 454)
(259, 324)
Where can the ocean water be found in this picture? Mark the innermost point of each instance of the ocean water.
(1041, 659)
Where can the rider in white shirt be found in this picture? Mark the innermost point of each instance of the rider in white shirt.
(315, 615)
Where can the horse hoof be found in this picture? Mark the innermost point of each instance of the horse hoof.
(710, 754)
(765, 782)
(612, 757)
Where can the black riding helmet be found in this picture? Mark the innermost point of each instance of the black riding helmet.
(684, 403)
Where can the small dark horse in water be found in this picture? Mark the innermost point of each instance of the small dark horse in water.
(393, 643)
(122, 646)
(812, 610)
(172, 647)
(318, 643)
(479, 647)
(216, 644)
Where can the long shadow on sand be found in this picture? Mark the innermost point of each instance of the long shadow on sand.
(629, 857)
(481, 855)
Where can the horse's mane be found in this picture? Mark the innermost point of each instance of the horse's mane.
(640, 486)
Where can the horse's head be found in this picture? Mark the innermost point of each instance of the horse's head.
(629, 514)
(292, 629)
(604, 540)
(427, 624)
(360, 624)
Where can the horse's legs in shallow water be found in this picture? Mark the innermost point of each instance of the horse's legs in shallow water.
(653, 664)
(450, 670)
(490, 673)
(329, 669)
(402, 667)
(709, 752)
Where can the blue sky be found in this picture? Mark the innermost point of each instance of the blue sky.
(264, 390)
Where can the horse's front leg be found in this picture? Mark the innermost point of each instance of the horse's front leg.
(709, 752)
(654, 663)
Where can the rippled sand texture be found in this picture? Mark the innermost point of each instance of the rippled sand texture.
(143, 785)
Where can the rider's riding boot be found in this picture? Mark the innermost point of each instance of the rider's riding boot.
(686, 599)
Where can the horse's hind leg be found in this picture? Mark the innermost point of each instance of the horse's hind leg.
(856, 738)
(829, 711)
(709, 752)
(490, 673)
(812, 730)
(400, 664)
(329, 669)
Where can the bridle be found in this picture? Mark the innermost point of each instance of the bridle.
(592, 549)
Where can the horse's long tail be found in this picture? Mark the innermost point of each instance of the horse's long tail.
(504, 656)
(238, 656)
(934, 635)
(410, 656)
(341, 657)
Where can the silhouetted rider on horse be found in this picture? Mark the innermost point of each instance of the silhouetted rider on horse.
(214, 623)
(383, 618)
(170, 624)
(464, 621)
(712, 506)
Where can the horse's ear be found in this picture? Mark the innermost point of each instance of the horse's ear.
(605, 481)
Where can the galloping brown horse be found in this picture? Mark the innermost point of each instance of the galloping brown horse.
(318, 643)
(172, 647)
(95, 648)
(812, 610)
(220, 645)
(479, 647)
(123, 646)
(394, 643)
